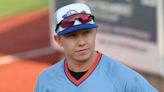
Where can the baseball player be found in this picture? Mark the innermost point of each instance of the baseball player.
(83, 69)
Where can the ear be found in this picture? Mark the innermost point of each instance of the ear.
(57, 39)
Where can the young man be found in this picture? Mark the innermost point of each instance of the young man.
(83, 69)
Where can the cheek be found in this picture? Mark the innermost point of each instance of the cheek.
(92, 40)
(68, 46)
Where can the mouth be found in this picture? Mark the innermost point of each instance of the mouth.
(81, 50)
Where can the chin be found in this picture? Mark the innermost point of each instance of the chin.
(84, 57)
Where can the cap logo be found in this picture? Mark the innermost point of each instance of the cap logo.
(71, 12)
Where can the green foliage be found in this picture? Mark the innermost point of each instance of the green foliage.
(12, 7)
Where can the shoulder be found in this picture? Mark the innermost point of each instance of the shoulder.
(124, 77)
(51, 72)
(49, 76)
(114, 68)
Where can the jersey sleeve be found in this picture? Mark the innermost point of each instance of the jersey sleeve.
(38, 87)
(125, 79)
(139, 84)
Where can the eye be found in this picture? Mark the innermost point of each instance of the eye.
(71, 35)
(86, 32)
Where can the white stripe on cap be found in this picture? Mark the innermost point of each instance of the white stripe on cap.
(71, 9)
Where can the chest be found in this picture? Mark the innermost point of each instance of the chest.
(96, 82)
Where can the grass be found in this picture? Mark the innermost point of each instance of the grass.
(12, 7)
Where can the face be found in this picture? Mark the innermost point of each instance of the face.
(78, 45)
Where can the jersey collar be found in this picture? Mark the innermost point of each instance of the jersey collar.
(86, 75)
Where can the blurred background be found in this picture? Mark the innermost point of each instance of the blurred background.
(130, 31)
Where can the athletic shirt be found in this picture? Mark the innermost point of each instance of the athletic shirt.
(76, 75)
(105, 75)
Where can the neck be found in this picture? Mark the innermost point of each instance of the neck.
(81, 66)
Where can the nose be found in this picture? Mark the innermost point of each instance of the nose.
(81, 41)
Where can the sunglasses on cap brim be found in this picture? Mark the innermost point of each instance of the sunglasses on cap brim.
(69, 21)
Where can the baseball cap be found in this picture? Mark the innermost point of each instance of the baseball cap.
(69, 10)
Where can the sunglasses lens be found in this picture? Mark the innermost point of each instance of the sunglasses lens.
(84, 18)
(69, 21)
(66, 24)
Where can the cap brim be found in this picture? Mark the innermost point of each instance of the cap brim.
(77, 27)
